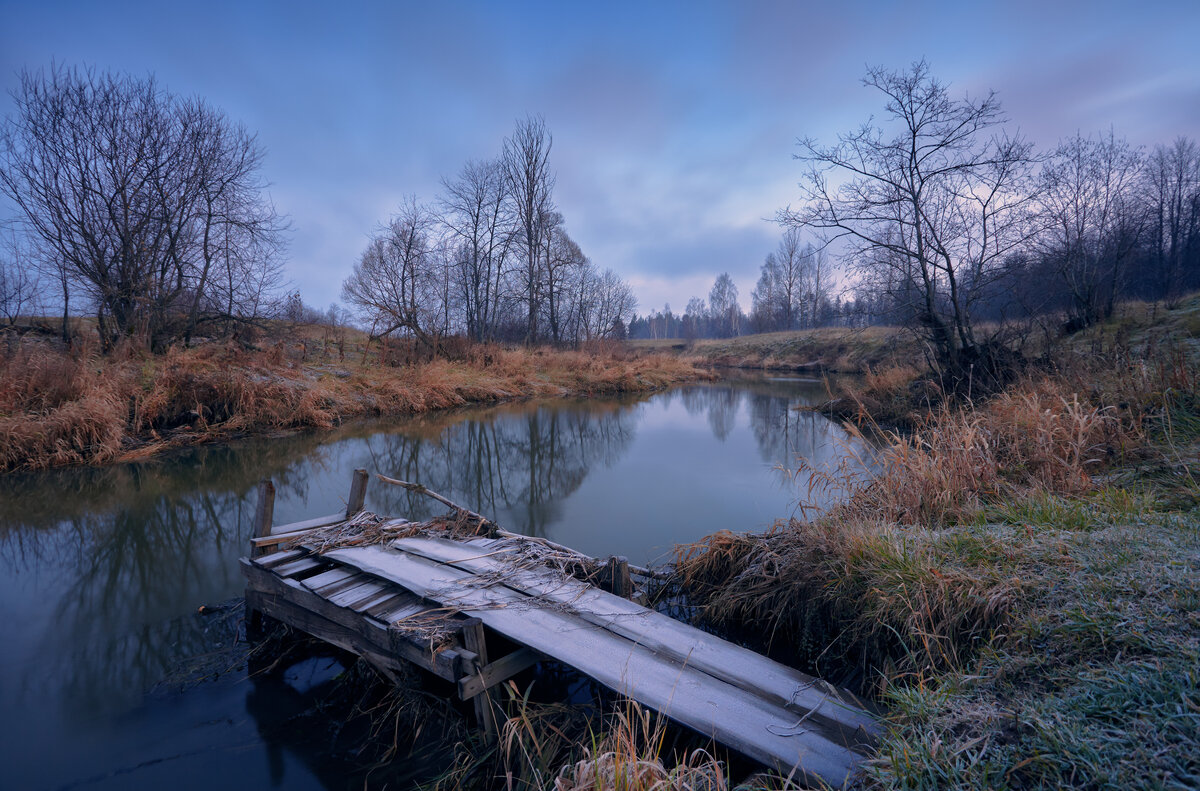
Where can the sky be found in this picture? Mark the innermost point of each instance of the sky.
(674, 123)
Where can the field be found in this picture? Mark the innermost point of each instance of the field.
(61, 407)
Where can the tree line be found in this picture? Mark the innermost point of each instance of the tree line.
(490, 258)
(953, 226)
(940, 220)
(144, 208)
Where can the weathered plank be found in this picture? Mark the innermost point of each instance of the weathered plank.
(264, 513)
(358, 493)
(376, 633)
(297, 567)
(307, 524)
(473, 640)
(836, 710)
(749, 724)
(496, 672)
(327, 579)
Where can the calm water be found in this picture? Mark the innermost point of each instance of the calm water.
(102, 571)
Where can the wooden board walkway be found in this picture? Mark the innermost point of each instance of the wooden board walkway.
(431, 601)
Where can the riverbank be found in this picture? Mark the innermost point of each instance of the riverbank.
(1017, 582)
(61, 408)
(827, 349)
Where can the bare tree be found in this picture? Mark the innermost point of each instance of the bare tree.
(475, 207)
(723, 306)
(121, 184)
(1173, 192)
(18, 277)
(1092, 225)
(395, 283)
(936, 201)
(526, 163)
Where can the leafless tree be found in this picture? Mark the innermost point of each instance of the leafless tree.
(475, 207)
(723, 306)
(123, 185)
(938, 198)
(18, 276)
(1092, 225)
(1173, 193)
(395, 283)
(526, 164)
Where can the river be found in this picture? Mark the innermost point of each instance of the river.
(112, 678)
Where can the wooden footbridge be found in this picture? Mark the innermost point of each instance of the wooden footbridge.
(396, 592)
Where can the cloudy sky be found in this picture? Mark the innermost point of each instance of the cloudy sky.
(674, 123)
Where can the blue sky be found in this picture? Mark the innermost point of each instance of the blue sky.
(674, 122)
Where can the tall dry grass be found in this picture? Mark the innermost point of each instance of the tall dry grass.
(59, 408)
(629, 757)
(900, 581)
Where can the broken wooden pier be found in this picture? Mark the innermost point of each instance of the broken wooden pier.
(444, 601)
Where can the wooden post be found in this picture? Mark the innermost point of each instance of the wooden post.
(473, 640)
(618, 577)
(264, 515)
(358, 493)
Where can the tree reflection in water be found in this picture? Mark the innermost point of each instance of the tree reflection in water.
(101, 570)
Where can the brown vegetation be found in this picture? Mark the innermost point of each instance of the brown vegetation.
(59, 408)
(897, 580)
(833, 349)
(1034, 553)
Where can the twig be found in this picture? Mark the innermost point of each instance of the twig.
(419, 489)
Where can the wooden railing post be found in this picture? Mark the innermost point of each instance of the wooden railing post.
(473, 641)
(619, 580)
(358, 493)
(264, 515)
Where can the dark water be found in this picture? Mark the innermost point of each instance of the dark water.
(102, 571)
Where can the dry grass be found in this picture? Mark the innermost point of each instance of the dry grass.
(904, 580)
(1016, 579)
(838, 349)
(628, 757)
(59, 408)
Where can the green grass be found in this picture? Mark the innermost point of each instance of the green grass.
(1095, 684)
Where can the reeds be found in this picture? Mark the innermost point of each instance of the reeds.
(59, 408)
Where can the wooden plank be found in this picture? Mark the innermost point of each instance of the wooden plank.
(442, 663)
(358, 493)
(264, 514)
(473, 640)
(354, 580)
(497, 672)
(398, 614)
(336, 634)
(345, 598)
(369, 601)
(278, 558)
(297, 567)
(835, 709)
(761, 730)
(392, 602)
(307, 524)
(327, 578)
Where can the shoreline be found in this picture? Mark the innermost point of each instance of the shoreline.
(60, 410)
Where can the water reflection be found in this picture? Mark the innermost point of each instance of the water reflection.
(101, 570)
(516, 465)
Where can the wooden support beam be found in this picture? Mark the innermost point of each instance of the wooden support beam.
(264, 515)
(619, 581)
(473, 640)
(497, 672)
(358, 493)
